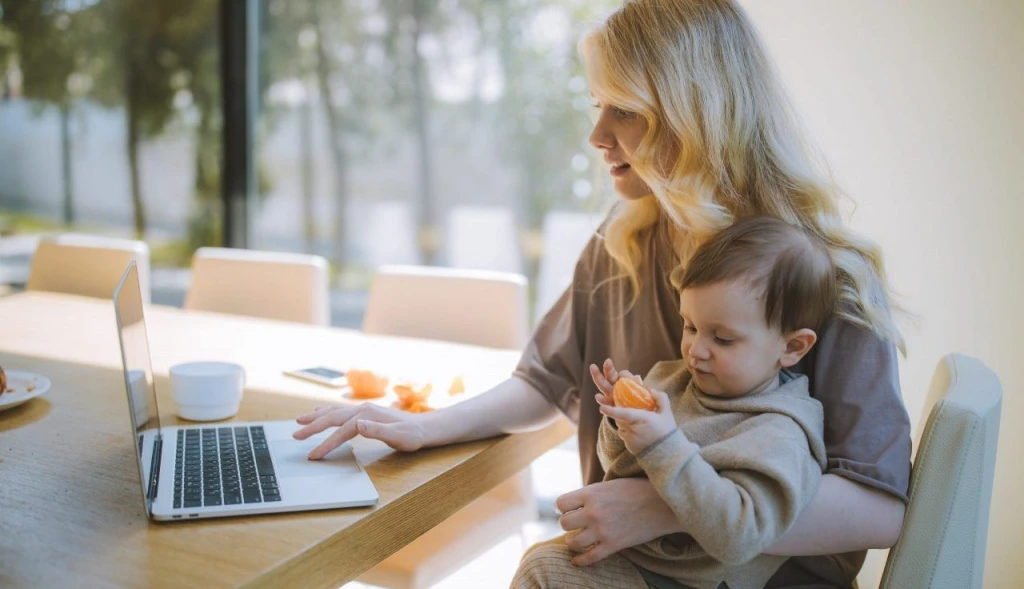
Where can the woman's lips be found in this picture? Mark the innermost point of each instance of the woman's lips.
(620, 170)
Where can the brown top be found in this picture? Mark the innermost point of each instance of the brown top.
(852, 372)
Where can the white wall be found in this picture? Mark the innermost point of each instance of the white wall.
(919, 108)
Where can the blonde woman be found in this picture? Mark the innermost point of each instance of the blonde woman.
(698, 134)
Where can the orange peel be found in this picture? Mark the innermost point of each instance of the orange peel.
(410, 393)
(367, 384)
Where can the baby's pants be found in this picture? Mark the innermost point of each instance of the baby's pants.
(547, 565)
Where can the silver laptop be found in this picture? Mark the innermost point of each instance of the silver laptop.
(222, 469)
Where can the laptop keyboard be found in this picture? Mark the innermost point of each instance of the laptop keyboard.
(223, 466)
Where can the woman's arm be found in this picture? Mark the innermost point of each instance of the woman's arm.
(843, 516)
(510, 407)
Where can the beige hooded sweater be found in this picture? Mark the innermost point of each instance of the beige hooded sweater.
(737, 473)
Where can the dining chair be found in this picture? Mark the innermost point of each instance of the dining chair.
(945, 528)
(475, 307)
(88, 265)
(272, 285)
(479, 307)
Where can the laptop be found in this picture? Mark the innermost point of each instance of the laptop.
(222, 469)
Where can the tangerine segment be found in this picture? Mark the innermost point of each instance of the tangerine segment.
(415, 407)
(630, 393)
(410, 394)
(367, 384)
(458, 386)
(418, 408)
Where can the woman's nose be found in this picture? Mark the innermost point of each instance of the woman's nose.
(602, 137)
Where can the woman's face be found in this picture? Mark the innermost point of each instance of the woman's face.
(617, 133)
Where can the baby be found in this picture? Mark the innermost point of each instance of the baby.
(734, 445)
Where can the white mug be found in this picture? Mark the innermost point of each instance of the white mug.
(207, 391)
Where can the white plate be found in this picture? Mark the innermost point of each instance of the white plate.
(22, 386)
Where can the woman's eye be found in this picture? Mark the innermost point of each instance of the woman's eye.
(622, 113)
(619, 113)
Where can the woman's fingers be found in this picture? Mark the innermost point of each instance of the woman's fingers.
(344, 433)
(570, 501)
(594, 552)
(337, 416)
(581, 541)
(402, 431)
(318, 421)
(313, 415)
(572, 520)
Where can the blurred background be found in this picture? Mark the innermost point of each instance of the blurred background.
(377, 131)
(453, 132)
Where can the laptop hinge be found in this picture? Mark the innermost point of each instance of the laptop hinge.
(154, 468)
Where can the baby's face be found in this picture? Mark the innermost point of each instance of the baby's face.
(727, 344)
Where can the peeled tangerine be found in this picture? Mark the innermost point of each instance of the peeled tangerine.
(366, 384)
(630, 393)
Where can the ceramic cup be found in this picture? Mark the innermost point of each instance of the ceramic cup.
(207, 391)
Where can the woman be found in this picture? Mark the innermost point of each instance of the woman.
(698, 133)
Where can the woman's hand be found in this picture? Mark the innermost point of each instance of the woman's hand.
(512, 406)
(398, 429)
(607, 517)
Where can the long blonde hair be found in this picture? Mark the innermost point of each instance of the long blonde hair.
(698, 74)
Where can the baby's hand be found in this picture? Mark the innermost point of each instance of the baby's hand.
(605, 379)
(640, 428)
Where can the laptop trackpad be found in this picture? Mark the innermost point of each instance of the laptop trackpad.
(290, 459)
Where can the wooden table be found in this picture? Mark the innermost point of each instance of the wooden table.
(71, 511)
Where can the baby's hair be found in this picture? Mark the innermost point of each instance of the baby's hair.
(789, 268)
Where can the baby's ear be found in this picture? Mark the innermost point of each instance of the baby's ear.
(798, 343)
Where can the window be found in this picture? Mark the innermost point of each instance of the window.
(423, 131)
(388, 131)
(110, 115)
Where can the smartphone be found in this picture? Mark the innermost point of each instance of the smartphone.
(330, 377)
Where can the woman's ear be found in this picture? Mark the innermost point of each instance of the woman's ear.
(798, 343)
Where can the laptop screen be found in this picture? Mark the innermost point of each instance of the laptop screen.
(138, 377)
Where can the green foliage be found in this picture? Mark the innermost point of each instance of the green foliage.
(371, 64)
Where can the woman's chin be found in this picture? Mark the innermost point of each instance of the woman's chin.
(630, 187)
(632, 192)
